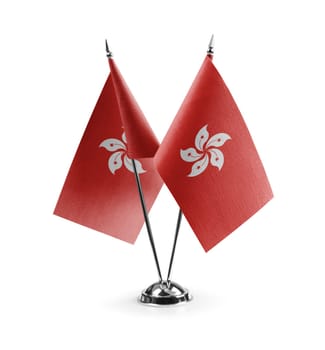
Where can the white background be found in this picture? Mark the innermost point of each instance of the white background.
(63, 286)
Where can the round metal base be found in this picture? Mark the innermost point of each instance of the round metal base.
(164, 293)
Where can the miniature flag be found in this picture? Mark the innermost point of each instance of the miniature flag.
(209, 162)
(100, 191)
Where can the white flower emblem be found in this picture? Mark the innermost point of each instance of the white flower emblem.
(119, 156)
(205, 151)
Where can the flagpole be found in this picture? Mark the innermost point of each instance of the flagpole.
(146, 218)
(178, 226)
(210, 53)
(163, 292)
(109, 55)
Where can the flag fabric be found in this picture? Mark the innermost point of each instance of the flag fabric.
(100, 190)
(142, 142)
(209, 162)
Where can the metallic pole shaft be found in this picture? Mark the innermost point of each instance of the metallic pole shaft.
(178, 225)
(146, 218)
(109, 55)
(210, 53)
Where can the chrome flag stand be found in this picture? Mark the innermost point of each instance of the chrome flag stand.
(166, 292)
(163, 292)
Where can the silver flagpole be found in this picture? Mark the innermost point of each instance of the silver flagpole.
(146, 218)
(178, 226)
(168, 292)
(210, 52)
(163, 292)
(109, 54)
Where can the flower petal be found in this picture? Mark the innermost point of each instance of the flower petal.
(199, 166)
(115, 161)
(216, 158)
(201, 138)
(112, 145)
(190, 154)
(218, 140)
(128, 164)
(124, 138)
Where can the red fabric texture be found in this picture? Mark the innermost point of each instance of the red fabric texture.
(226, 188)
(142, 142)
(100, 190)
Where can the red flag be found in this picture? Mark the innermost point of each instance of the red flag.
(141, 140)
(209, 162)
(100, 191)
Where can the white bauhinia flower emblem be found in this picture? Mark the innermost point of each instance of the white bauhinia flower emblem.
(206, 151)
(119, 156)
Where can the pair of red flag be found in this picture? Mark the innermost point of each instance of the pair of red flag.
(207, 160)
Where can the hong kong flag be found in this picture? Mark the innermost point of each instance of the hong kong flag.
(100, 191)
(209, 162)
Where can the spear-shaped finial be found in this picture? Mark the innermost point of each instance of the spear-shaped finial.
(211, 46)
(109, 53)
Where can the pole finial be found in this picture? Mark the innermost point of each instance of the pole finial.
(109, 53)
(211, 46)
